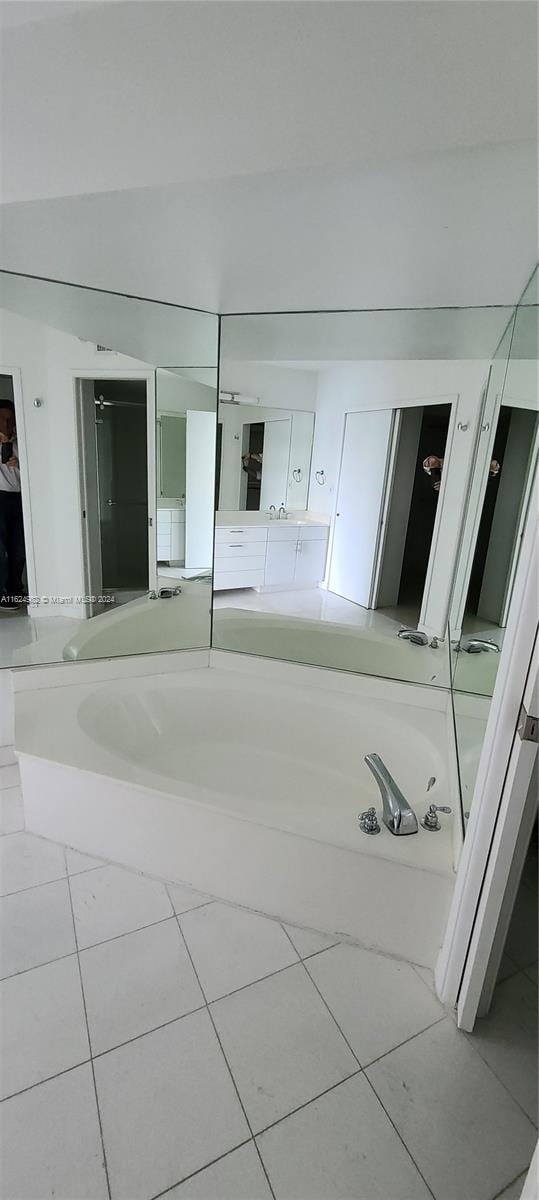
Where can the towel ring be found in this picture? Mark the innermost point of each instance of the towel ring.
(320, 477)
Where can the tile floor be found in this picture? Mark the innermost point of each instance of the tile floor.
(157, 1042)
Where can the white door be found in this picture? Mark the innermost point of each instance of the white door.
(199, 489)
(360, 500)
(275, 456)
(280, 562)
(310, 560)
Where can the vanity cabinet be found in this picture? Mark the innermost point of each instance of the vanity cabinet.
(171, 535)
(280, 554)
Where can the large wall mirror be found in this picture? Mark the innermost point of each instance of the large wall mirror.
(345, 446)
(107, 481)
(500, 488)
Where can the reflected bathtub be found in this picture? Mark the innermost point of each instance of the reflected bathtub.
(342, 647)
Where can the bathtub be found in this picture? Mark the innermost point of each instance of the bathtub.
(329, 644)
(248, 787)
(175, 623)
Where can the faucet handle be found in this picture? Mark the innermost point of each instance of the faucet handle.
(431, 821)
(368, 821)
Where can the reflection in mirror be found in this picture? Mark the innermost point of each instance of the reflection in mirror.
(106, 504)
(344, 445)
(501, 483)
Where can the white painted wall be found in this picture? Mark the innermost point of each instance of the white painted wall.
(48, 361)
(399, 384)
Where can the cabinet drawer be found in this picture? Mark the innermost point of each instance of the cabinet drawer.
(313, 533)
(251, 563)
(237, 579)
(240, 533)
(280, 531)
(239, 549)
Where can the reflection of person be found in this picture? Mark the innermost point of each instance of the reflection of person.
(433, 463)
(12, 553)
(252, 464)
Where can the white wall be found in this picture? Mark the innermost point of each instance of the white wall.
(399, 384)
(48, 360)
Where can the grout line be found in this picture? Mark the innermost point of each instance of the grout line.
(105, 1165)
(470, 1041)
(332, 1088)
(412, 1037)
(199, 1170)
(36, 966)
(146, 1032)
(521, 1175)
(210, 1015)
(39, 1082)
(399, 1135)
(313, 953)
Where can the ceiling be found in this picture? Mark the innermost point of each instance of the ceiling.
(273, 154)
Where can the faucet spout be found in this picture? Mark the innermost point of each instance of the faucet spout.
(396, 812)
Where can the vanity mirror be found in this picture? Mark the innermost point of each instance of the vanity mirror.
(499, 497)
(111, 404)
(353, 566)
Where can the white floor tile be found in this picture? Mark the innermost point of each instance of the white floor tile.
(43, 1030)
(50, 1142)
(307, 941)
(506, 969)
(137, 982)
(378, 1002)
(465, 1132)
(110, 901)
(36, 927)
(77, 862)
(168, 1107)
(239, 1176)
(231, 947)
(507, 1039)
(26, 860)
(10, 776)
(184, 898)
(7, 756)
(11, 810)
(341, 1145)
(282, 1045)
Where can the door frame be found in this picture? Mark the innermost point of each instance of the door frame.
(498, 803)
(149, 377)
(26, 501)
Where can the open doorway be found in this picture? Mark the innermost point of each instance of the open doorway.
(113, 452)
(422, 510)
(252, 450)
(498, 539)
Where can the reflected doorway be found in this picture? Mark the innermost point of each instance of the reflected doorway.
(113, 456)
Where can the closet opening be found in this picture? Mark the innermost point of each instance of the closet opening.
(504, 504)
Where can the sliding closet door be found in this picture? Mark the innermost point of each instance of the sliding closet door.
(360, 504)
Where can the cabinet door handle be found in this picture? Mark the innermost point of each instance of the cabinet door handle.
(237, 531)
(235, 545)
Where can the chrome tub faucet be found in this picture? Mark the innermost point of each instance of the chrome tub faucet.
(396, 812)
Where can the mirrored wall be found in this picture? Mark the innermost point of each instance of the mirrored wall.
(346, 442)
(500, 486)
(107, 480)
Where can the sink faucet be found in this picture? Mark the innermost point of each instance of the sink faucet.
(282, 512)
(396, 812)
(476, 645)
(413, 635)
(271, 511)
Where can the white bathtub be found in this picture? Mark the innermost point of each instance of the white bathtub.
(329, 644)
(248, 787)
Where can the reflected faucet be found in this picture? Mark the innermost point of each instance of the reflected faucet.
(476, 645)
(282, 512)
(413, 635)
(396, 812)
(271, 511)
